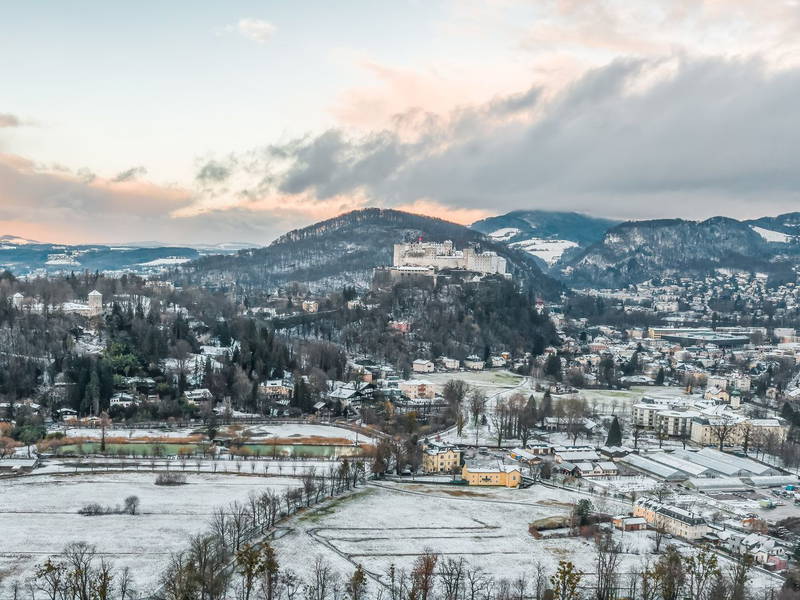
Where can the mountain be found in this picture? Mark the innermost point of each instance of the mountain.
(639, 250)
(26, 257)
(550, 236)
(346, 249)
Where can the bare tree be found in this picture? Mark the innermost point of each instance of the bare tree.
(451, 576)
(722, 428)
(422, 575)
(318, 587)
(477, 407)
(606, 565)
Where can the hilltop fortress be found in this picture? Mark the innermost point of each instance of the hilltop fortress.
(443, 255)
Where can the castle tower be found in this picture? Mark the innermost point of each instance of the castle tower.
(95, 303)
(16, 299)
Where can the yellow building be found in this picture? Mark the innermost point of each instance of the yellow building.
(673, 520)
(440, 458)
(507, 476)
(706, 431)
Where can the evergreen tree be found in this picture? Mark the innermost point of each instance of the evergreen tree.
(552, 368)
(614, 434)
(660, 377)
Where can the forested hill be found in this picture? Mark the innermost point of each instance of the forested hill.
(345, 250)
(639, 250)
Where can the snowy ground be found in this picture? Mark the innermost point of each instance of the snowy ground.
(280, 430)
(38, 517)
(391, 524)
(490, 380)
(289, 430)
(548, 250)
(124, 432)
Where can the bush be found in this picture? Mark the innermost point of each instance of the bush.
(93, 509)
(170, 479)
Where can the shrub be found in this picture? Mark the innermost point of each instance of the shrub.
(93, 509)
(170, 479)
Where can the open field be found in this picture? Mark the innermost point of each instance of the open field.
(490, 380)
(38, 517)
(392, 524)
(256, 432)
(287, 440)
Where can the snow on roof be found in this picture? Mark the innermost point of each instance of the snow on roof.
(95, 293)
(675, 462)
(721, 467)
(746, 464)
(771, 480)
(652, 467)
(498, 469)
(717, 483)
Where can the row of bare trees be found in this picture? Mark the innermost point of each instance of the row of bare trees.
(256, 574)
(213, 567)
(78, 573)
(207, 569)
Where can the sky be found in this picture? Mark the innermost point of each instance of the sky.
(208, 122)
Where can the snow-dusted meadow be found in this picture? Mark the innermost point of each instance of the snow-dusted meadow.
(39, 516)
(392, 524)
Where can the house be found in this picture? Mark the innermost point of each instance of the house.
(198, 395)
(524, 456)
(614, 452)
(474, 363)
(440, 458)
(507, 476)
(451, 364)
(605, 469)
(628, 523)
(715, 393)
(310, 306)
(539, 448)
(672, 519)
(276, 389)
(67, 413)
(422, 366)
(497, 361)
(401, 326)
(575, 454)
(417, 388)
(123, 400)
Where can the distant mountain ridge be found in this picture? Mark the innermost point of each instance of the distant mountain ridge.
(575, 227)
(635, 251)
(346, 249)
(24, 257)
(548, 236)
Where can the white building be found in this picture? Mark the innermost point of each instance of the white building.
(423, 366)
(95, 303)
(443, 255)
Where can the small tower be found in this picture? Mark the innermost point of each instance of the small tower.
(95, 303)
(16, 299)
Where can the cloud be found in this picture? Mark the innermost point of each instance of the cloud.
(9, 120)
(636, 138)
(130, 174)
(213, 171)
(96, 209)
(258, 30)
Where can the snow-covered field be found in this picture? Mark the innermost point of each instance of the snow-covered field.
(392, 524)
(504, 234)
(548, 250)
(280, 430)
(773, 236)
(290, 430)
(39, 516)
